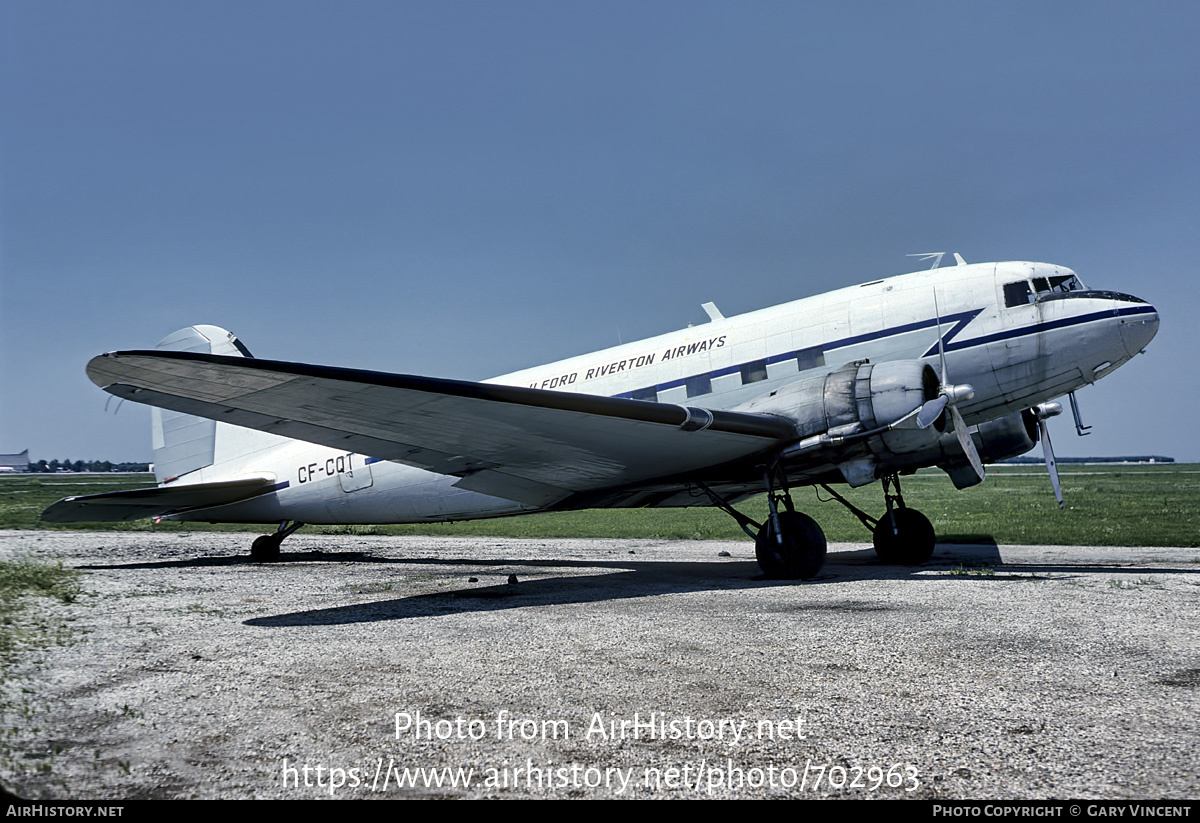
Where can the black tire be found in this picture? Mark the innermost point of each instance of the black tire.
(265, 549)
(914, 543)
(801, 554)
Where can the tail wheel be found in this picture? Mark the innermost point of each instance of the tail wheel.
(801, 553)
(909, 542)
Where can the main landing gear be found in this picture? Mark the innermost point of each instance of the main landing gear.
(265, 549)
(792, 550)
(790, 545)
(903, 536)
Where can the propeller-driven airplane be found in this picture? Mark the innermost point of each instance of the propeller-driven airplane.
(949, 367)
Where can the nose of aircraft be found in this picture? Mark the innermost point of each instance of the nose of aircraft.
(1139, 324)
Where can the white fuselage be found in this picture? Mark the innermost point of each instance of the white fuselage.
(1015, 352)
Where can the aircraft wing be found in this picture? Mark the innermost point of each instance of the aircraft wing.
(529, 445)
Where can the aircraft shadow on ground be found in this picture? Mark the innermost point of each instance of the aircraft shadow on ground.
(619, 581)
(984, 545)
(625, 579)
(244, 560)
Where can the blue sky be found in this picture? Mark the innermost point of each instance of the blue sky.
(467, 188)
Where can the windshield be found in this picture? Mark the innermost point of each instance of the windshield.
(1022, 292)
(1059, 283)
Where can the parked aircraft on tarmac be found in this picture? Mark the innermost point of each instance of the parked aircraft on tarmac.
(948, 367)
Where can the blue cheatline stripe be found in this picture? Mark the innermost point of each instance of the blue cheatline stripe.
(1054, 324)
(281, 486)
(959, 321)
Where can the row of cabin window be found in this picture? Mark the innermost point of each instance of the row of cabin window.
(754, 372)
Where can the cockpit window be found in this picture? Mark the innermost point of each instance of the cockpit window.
(1068, 282)
(1017, 294)
(1027, 291)
(1059, 284)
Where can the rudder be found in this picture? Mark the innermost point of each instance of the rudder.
(184, 443)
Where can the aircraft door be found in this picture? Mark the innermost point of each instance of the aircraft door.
(1015, 355)
(355, 478)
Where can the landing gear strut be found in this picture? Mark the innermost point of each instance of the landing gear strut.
(903, 536)
(790, 545)
(265, 549)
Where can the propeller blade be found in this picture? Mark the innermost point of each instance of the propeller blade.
(965, 441)
(953, 395)
(928, 414)
(923, 416)
(1051, 466)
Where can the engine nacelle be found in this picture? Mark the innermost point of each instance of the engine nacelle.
(999, 439)
(1008, 436)
(855, 404)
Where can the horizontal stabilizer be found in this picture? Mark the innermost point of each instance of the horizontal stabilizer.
(153, 502)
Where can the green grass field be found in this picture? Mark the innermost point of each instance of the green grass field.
(1119, 505)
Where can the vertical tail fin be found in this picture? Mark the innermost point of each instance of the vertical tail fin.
(182, 442)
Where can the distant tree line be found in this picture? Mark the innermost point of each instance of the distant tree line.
(86, 466)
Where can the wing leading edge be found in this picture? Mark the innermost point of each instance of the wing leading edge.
(533, 446)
